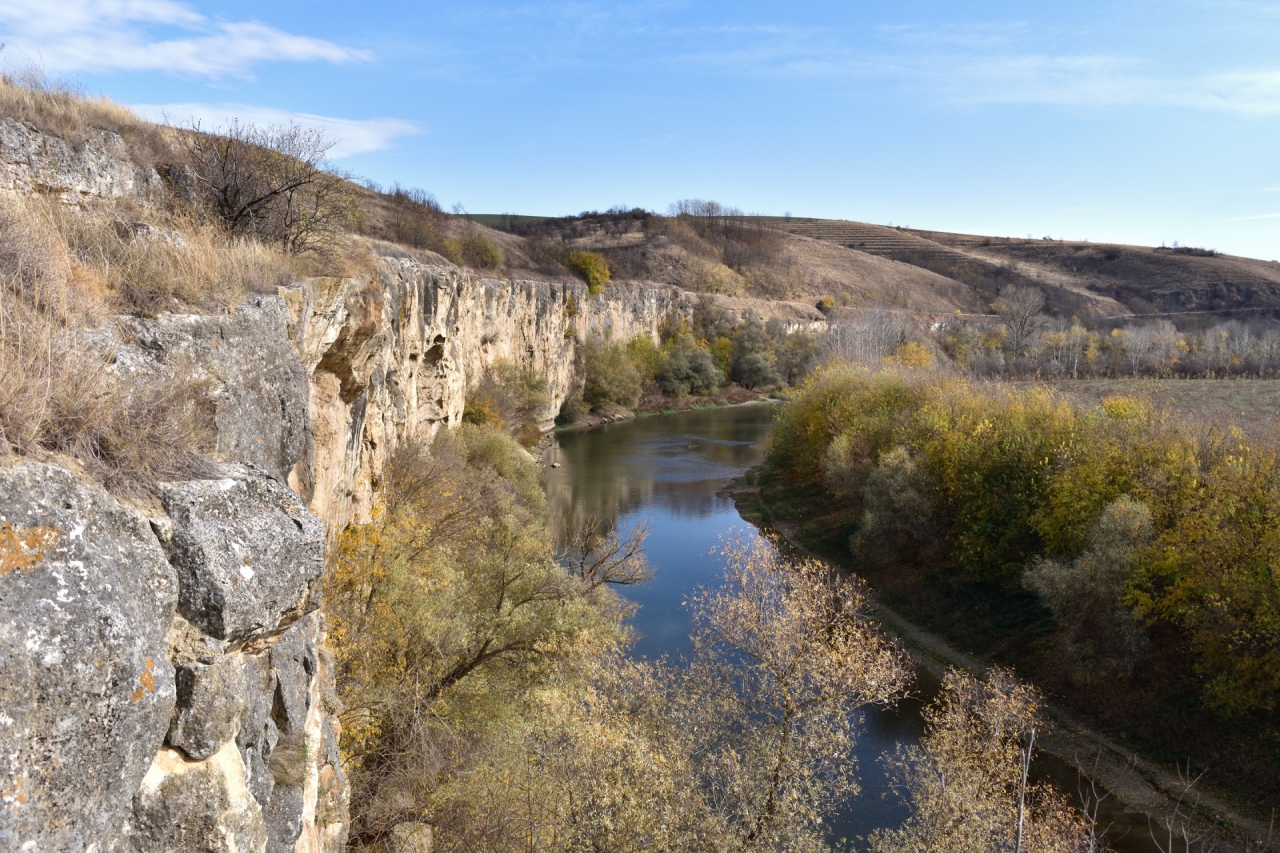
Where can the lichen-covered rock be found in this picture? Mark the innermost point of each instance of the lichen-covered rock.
(212, 697)
(196, 807)
(259, 387)
(248, 555)
(86, 601)
(96, 167)
(258, 733)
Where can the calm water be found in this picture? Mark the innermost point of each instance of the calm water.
(670, 472)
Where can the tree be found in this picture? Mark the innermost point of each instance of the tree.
(967, 782)
(785, 655)
(1019, 310)
(273, 183)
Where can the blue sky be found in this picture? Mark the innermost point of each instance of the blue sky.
(1136, 122)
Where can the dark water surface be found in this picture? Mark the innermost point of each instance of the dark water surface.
(670, 472)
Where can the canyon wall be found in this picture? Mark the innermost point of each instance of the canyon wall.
(391, 358)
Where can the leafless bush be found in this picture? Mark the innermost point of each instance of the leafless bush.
(274, 183)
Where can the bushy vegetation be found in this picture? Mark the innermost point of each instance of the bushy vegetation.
(489, 699)
(509, 399)
(1147, 543)
(590, 267)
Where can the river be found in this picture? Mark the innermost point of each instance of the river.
(671, 472)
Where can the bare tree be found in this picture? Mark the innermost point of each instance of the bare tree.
(1019, 309)
(274, 183)
(598, 556)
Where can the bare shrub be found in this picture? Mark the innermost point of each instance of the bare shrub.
(274, 183)
(785, 655)
(967, 781)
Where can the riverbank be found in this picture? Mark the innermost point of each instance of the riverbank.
(658, 404)
(1138, 783)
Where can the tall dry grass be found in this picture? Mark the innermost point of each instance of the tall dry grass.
(62, 274)
(61, 109)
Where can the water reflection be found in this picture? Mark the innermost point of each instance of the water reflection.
(669, 471)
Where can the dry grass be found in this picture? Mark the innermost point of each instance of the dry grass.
(58, 108)
(59, 395)
(131, 265)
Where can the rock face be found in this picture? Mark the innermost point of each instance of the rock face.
(86, 689)
(248, 554)
(100, 166)
(259, 387)
(392, 358)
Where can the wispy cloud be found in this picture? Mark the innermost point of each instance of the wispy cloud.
(152, 35)
(1254, 218)
(353, 136)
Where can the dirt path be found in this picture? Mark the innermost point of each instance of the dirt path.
(1139, 784)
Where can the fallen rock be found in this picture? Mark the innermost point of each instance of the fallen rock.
(249, 556)
(86, 601)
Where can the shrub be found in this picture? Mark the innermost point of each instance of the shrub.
(687, 368)
(1087, 594)
(274, 183)
(590, 267)
(482, 253)
(897, 505)
(753, 359)
(510, 398)
(451, 249)
(611, 375)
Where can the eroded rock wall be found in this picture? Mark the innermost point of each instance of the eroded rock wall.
(392, 358)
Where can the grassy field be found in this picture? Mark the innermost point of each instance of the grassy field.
(1251, 404)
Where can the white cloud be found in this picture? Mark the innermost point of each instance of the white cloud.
(1254, 218)
(151, 35)
(352, 136)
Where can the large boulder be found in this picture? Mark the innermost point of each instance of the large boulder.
(249, 556)
(86, 693)
(258, 385)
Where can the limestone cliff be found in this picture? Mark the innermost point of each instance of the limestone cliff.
(164, 684)
(390, 359)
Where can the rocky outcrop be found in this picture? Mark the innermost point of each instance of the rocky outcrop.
(99, 166)
(86, 689)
